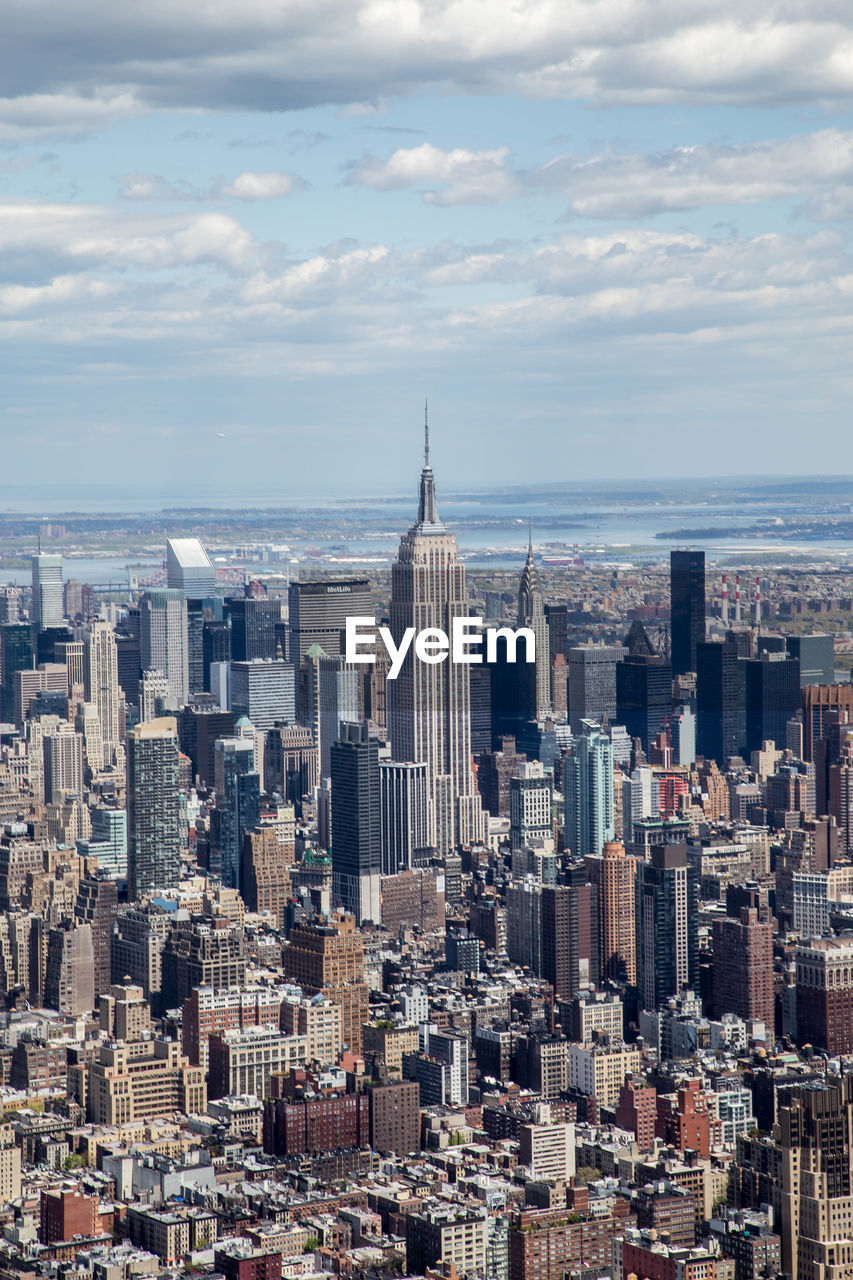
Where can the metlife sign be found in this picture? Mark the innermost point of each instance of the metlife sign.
(432, 645)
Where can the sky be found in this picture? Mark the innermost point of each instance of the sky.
(242, 241)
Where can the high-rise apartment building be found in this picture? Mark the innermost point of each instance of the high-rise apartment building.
(69, 985)
(356, 822)
(614, 874)
(163, 640)
(530, 800)
(153, 805)
(588, 783)
(824, 972)
(743, 968)
(101, 685)
(328, 956)
(667, 943)
(266, 871)
(429, 704)
(687, 597)
(47, 591)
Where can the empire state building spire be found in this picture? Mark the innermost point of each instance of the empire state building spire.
(429, 704)
(427, 506)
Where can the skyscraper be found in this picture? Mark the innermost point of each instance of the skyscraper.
(720, 719)
(100, 673)
(588, 782)
(47, 591)
(667, 943)
(403, 808)
(163, 640)
(319, 611)
(328, 698)
(153, 803)
(531, 613)
(16, 654)
(188, 567)
(530, 799)
(592, 683)
(772, 697)
(238, 807)
(643, 687)
(687, 603)
(429, 704)
(253, 624)
(615, 875)
(743, 968)
(356, 822)
(265, 691)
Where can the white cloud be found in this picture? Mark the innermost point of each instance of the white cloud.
(465, 177)
(633, 185)
(263, 186)
(271, 185)
(77, 67)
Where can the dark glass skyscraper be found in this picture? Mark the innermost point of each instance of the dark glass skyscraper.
(720, 727)
(253, 627)
(687, 596)
(238, 807)
(356, 822)
(16, 654)
(772, 698)
(643, 688)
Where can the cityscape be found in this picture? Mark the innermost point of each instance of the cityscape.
(519, 966)
(426, 640)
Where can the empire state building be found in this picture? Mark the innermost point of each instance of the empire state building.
(429, 711)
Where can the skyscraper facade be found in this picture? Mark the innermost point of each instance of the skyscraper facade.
(592, 683)
(16, 654)
(743, 968)
(188, 567)
(319, 611)
(667, 944)
(153, 803)
(643, 688)
(720, 721)
(163, 640)
(356, 822)
(403, 810)
(772, 698)
(588, 782)
(615, 876)
(238, 807)
(687, 602)
(101, 684)
(429, 704)
(47, 591)
(531, 613)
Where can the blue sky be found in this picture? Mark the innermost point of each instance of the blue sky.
(239, 243)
